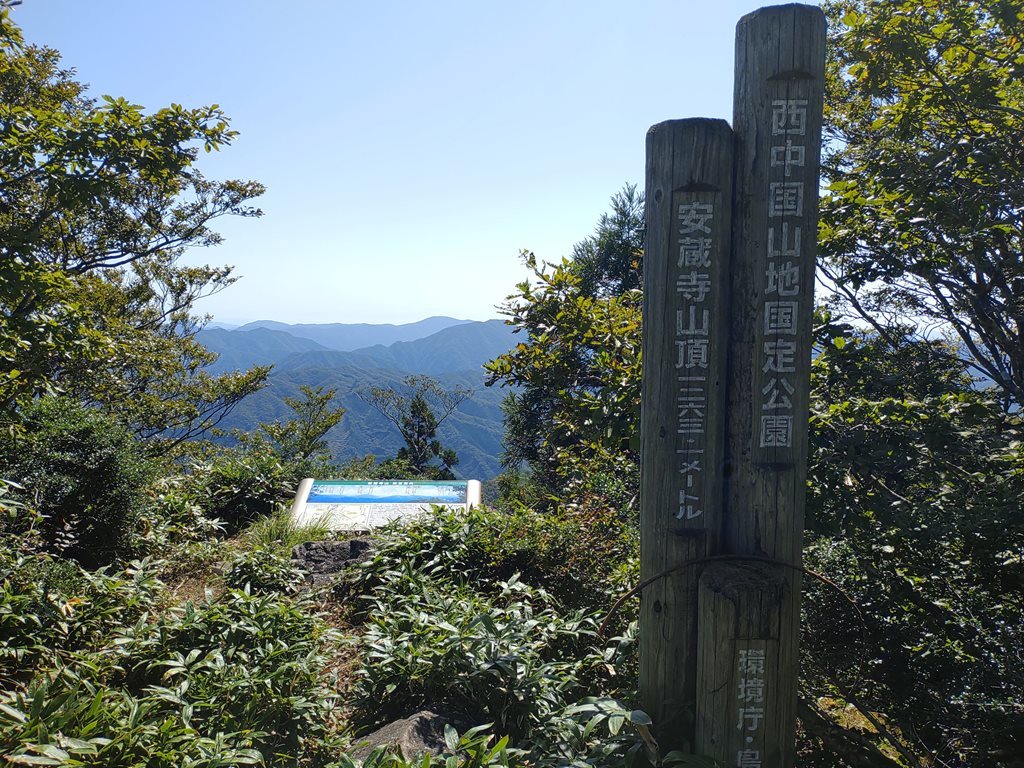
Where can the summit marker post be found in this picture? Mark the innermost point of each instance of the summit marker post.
(682, 421)
(719, 629)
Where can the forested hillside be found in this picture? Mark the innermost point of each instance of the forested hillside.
(239, 350)
(474, 430)
(153, 611)
(454, 356)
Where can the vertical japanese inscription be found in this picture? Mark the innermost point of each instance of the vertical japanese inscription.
(750, 700)
(780, 54)
(782, 348)
(785, 297)
(740, 709)
(682, 418)
(698, 290)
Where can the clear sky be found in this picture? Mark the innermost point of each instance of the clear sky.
(410, 149)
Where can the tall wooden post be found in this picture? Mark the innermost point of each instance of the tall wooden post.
(749, 611)
(728, 301)
(686, 268)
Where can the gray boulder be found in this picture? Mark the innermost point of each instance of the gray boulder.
(412, 736)
(322, 559)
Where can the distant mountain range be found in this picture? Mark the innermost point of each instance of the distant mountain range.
(348, 336)
(451, 351)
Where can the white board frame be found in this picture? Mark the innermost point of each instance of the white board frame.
(354, 508)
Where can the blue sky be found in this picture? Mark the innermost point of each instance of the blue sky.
(410, 149)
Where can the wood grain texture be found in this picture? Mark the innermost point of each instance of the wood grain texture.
(779, 58)
(741, 612)
(777, 123)
(686, 266)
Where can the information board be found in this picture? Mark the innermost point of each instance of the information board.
(362, 505)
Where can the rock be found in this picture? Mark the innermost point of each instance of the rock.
(413, 736)
(321, 559)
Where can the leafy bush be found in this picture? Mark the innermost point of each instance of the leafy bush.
(85, 474)
(512, 659)
(914, 510)
(237, 681)
(238, 486)
(177, 516)
(246, 662)
(583, 557)
(50, 609)
(441, 630)
(73, 719)
(263, 570)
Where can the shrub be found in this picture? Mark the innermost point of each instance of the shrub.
(577, 554)
(580, 556)
(74, 719)
(240, 485)
(177, 517)
(85, 474)
(51, 609)
(245, 662)
(236, 681)
(263, 570)
(512, 659)
(514, 488)
(439, 631)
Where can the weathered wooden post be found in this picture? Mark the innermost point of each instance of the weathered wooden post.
(749, 611)
(727, 342)
(686, 278)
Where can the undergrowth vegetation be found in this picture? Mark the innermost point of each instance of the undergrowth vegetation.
(439, 628)
(115, 667)
(105, 669)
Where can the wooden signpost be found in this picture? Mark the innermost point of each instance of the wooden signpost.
(682, 423)
(729, 276)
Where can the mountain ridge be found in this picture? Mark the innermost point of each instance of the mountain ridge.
(346, 337)
(454, 356)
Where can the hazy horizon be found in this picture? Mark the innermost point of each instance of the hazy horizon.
(238, 323)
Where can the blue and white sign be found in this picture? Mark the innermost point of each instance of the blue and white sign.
(361, 505)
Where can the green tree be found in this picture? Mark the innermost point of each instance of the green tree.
(915, 491)
(417, 413)
(151, 373)
(85, 476)
(573, 413)
(299, 442)
(242, 482)
(923, 220)
(610, 261)
(98, 199)
(914, 511)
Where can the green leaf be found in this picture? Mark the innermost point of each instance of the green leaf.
(451, 738)
(615, 723)
(33, 760)
(13, 713)
(639, 717)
